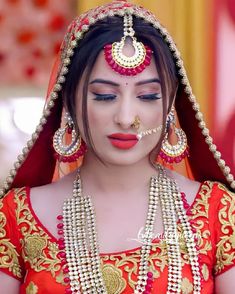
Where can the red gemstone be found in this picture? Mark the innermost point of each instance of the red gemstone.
(150, 281)
(183, 195)
(148, 57)
(148, 287)
(61, 246)
(63, 261)
(138, 69)
(68, 291)
(60, 226)
(108, 58)
(108, 47)
(65, 270)
(146, 292)
(150, 275)
(186, 205)
(170, 159)
(69, 130)
(61, 240)
(85, 21)
(122, 71)
(66, 279)
(178, 159)
(60, 217)
(115, 66)
(62, 254)
(194, 230)
(146, 62)
(134, 72)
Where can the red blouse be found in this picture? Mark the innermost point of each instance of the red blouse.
(29, 253)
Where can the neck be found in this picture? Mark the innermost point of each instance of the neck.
(112, 177)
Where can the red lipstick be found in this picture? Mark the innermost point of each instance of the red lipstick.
(123, 141)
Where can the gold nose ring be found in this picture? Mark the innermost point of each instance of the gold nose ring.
(136, 122)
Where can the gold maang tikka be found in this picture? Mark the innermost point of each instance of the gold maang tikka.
(128, 65)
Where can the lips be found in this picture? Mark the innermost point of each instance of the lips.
(123, 141)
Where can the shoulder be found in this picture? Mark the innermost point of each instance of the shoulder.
(189, 187)
(218, 194)
(58, 189)
(219, 203)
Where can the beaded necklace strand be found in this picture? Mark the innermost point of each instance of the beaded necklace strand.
(79, 248)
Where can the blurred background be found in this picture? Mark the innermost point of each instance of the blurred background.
(31, 32)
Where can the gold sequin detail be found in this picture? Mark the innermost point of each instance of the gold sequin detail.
(205, 272)
(31, 288)
(186, 286)
(113, 279)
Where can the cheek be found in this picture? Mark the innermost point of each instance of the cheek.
(98, 115)
(153, 115)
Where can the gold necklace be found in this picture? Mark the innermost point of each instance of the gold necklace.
(81, 249)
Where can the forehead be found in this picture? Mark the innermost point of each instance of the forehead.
(101, 69)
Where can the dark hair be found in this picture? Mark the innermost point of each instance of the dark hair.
(107, 31)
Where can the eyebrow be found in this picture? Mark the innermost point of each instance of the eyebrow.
(107, 82)
(148, 82)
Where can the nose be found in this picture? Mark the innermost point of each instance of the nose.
(125, 113)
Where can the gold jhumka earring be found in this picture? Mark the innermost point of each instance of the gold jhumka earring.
(72, 151)
(173, 152)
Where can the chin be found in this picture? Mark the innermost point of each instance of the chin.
(124, 159)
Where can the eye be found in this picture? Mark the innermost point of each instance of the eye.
(104, 97)
(150, 97)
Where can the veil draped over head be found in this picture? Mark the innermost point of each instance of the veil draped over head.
(37, 165)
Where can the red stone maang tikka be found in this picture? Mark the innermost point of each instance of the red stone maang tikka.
(128, 65)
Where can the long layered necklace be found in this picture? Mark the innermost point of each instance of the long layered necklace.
(79, 248)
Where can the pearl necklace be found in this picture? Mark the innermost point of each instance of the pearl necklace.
(81, 260)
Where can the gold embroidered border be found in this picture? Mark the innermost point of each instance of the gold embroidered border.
(225, 248)
(38, 250)
(9, 257)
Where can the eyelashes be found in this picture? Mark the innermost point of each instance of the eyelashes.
(147, 97)
(111, 97)
(104, 97)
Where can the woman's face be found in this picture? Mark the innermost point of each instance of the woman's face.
(113, 103)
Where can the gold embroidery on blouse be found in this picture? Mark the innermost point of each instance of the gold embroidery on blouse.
(225, 253)
(45, 251)
(200, 215)
(38, 250)
(34, 246)
(60, 278)
(130, 262)
(205, 272)
(113, 279)
(157, 260)
(31, 288)
(9, 257)
(186, 286)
